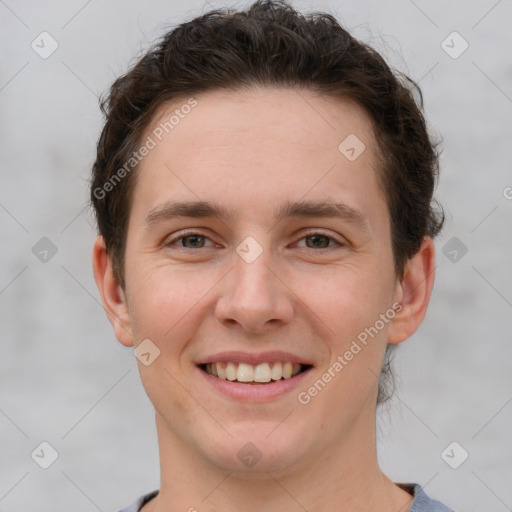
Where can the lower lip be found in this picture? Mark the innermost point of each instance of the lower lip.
(255, 392)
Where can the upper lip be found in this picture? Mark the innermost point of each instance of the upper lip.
(254, 358)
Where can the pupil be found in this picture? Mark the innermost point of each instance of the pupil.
(312, 237)
(196, 237)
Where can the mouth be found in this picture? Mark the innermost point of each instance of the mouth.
(254, 377)
(251, 374)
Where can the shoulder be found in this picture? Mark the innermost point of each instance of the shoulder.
(422, 502)
(139, 502)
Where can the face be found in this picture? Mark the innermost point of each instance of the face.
(270, 271)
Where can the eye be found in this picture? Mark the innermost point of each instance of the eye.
(319, 240)
(189, 240)
(196, 240)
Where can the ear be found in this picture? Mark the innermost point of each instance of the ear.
(112, 294)
(413, 293)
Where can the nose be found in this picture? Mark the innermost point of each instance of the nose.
(254, 296)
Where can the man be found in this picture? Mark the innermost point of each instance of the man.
(263, 190)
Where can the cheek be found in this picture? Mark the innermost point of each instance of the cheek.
(163, 296)
(350, 303)
(163, 385)
(346, 298)
(163, 311)
(170, 304)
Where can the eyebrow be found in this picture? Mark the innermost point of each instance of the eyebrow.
(299, 209)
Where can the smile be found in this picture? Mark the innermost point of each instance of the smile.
(260, 383)
(262, 373)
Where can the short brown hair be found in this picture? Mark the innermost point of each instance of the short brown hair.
(272, 44)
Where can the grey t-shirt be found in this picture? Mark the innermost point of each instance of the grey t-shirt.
(421, 502)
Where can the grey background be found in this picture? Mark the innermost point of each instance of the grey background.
(64, 377)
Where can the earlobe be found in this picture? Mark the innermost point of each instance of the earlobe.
(413, 293)
(112, 294)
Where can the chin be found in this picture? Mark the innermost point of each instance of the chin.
(255, 455)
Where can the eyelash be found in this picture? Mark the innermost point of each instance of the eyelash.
(305, 235)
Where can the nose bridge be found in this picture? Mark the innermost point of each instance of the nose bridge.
(253, 296)
(252, 269)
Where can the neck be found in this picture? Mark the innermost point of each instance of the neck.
(347, 478)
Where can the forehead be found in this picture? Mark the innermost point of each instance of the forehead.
(257, 149)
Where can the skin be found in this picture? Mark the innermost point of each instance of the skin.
(251, 151)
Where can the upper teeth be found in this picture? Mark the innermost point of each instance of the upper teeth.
(243, 372)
